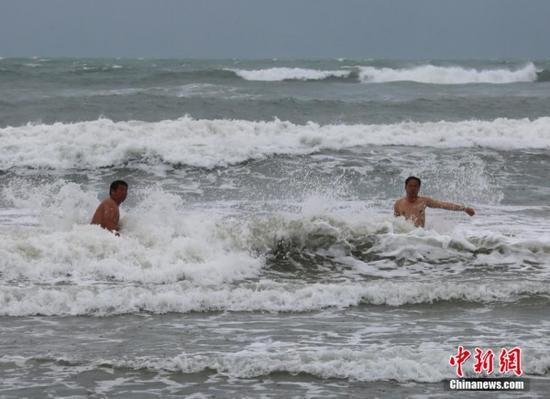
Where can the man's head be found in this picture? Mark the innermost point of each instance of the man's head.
(118, 191)
(412, 186)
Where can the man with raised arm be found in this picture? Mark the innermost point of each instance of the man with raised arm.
(413, 207)
(107, 214)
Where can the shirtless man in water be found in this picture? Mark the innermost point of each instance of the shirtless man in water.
(106, 214)
(413, 207)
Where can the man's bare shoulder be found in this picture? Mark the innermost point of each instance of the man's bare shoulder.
(108, 203)
(400, 201)
(107, 207)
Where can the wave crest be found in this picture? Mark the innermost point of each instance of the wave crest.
(280, 74)
(215, 143)
(448, 75)
(426, 362)
(430, 74)
(107, 300)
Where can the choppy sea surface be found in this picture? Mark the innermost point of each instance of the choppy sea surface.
(259, 256)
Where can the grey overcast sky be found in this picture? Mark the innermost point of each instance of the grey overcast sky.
(406, 29)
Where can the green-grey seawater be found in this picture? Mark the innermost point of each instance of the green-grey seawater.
(259, 255)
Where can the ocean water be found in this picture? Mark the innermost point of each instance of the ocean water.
(259, 256)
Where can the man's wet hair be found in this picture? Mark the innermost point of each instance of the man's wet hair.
(116, 184)
(413, 178)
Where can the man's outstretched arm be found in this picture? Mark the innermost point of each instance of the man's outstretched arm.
(431, 203)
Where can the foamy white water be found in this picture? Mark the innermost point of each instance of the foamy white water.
(105, 300)
(206, 143)
(427, 73)
(448, 75)
(280, 74)
(172, 259)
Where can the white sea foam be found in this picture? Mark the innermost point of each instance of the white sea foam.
(424, 362)
(280, 74)
(186, 296)
(427, 73)
(448, 74)
(174, 259)
(211, 143)
(161, 241)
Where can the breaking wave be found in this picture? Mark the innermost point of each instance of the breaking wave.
(214, 143)
(425, 362)
(108, 300)
(173, 259)
(448, 75)
(430, 74)
(280, 74)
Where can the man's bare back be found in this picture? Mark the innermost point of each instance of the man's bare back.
(413, 207)
(107, 214)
